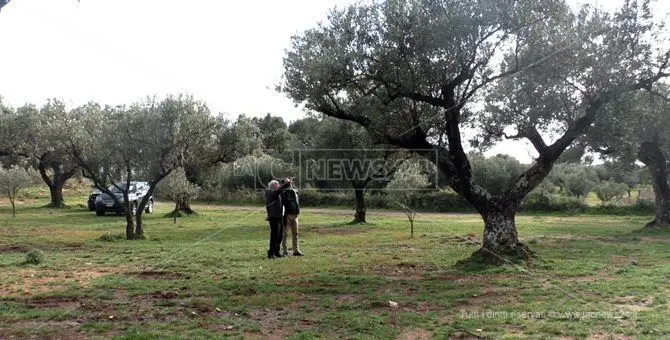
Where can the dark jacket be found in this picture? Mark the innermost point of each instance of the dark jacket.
(273, 203)
(289, 199)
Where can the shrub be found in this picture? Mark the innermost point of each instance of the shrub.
(540, 202)
(608, 191)
(34, 257)
(246, 173)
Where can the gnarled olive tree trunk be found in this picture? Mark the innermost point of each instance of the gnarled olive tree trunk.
(183, 206)
(57, 180)
(500, 239)
(359, 215)
(652, 156)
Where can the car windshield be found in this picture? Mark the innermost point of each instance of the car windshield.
(115, 190)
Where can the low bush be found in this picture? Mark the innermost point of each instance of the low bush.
(34, 257)
(542, 202)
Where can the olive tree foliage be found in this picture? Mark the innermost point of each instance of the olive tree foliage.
(304, 132)
(230, 141)
(177, 188)
(145, 141)
(47, 137)
(3, 3)
(610, 191)
(13, 126)
(636, 129)
(574, 179)
(627, 173)
(13, 180)
(38, 135)
(356, 161)
(410, 73)
(496, 174)
(97, 142)
(273, 131)
(408, 181)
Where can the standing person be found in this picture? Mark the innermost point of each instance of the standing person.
(291, 204)
(273, 206)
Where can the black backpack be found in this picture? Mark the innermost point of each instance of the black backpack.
(290, 201)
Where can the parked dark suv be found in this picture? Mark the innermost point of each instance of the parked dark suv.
(104, 203)
(91, 199)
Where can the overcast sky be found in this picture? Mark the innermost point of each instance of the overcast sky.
(228, 53)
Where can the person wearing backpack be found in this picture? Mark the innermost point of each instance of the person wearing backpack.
(291, 203)
(273, 205)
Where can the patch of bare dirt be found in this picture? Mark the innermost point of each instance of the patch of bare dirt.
(13, 249)
(47, 330)
(469, 240)
(605, 336)
(490, 298)
(346, 298)
(274, 335)
(403, 270)
(634, 304)
(415, 334)
(75, 246)
(514, 330)
(463, 334)
(601, 276)
(621, 261)
(167, 295)
(34, 281)
(68, 303)
(464, 280)
(269, 321)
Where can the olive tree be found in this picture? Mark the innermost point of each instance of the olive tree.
(636, 129)
(38, 135)
(344, 153)
(407, 182)
(609, 191)
(14, 123)
(145, 141)
(54, 164)
(413, 72)
(178, 189)
(97, 141)
(13, 180)
(229, 141)
(574, 179)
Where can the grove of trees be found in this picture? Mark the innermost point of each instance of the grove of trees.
(393, 82)
(414, 73)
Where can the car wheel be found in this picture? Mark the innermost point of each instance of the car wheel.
(133, 208)
(99, 212)
(150, 207)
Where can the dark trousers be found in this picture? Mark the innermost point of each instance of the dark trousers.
(276, 233)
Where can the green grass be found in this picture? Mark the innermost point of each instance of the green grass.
(206, 277)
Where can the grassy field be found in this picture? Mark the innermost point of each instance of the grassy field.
(207, 277)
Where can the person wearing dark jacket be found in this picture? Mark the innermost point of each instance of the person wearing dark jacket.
(289, 199)
(274, 209)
